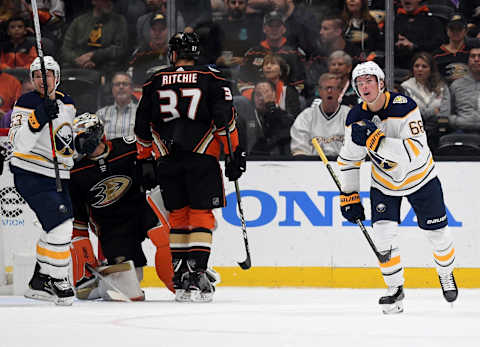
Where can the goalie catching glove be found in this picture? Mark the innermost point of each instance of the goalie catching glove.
(351, 207)
(236, 164)
(367, 135)
(46, 111)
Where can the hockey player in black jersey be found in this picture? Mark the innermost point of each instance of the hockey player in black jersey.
(108, 192)
(183, 117)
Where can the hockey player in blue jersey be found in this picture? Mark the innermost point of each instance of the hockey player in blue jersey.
(388, 128)
(34, 177)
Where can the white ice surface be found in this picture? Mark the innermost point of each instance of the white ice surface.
(246, 317)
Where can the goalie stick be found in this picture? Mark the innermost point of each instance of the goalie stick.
(382, 257)
(247, 263)
(116, 294)
(38, 37)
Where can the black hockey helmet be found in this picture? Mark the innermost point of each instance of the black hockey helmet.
(89, 132)
(186, 45)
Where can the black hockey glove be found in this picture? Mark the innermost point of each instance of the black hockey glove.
(235, 164)
(146, 174)
(44, 112)
(351, 207)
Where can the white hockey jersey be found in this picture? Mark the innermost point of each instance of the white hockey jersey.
(313, 122)
(33, 151)
(402, 163)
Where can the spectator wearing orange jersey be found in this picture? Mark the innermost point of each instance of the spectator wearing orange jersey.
(10, 91)
(19, 51)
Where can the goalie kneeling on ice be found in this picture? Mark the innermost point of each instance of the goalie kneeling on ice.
(123, 276)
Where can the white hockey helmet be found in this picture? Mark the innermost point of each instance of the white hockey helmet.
(367, 68)
(50, 64)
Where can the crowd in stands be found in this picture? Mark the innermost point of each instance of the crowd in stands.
(289, 61)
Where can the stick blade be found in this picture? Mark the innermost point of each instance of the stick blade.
(245, 265)
(117, 296)
(114, 293)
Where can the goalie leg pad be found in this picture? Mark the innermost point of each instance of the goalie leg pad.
(124, 277)
(163, 256)
(155, 201)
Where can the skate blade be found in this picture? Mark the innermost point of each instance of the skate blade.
(38, 295)
(182, 295)
(64, 301)
(392, 308)
(198, 296)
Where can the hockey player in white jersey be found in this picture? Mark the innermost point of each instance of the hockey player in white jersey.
(324, 119)
(34, 177)
(388, 128)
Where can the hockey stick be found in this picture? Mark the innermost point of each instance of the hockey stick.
(38, 37)
(382, 257)
(115, 294)
(247, 263)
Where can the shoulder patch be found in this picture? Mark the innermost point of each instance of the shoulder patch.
(400, 99)
(129, 139)
(211, 68)
(29, 100)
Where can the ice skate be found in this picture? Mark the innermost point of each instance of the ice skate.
(392, 302)
(182, 287)
(40, 287)
(63, 291)
(201, 289)
(449, 287)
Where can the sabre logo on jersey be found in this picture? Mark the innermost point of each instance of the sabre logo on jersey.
(384, 164)
(297, 208)
(110, 190)
(64, 140)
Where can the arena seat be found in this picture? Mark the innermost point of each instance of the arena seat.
(84, 86)
(20, 73)
(459, 144)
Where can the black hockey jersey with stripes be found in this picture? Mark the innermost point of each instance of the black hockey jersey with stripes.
(105, 190)
(186, 108)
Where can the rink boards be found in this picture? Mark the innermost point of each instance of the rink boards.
(296, 233)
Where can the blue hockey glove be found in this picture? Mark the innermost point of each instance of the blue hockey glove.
(367, 135)
(351, 207)
(44, 112)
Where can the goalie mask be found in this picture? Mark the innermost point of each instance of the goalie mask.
(89, 132)
(50, 64)
(185, 45)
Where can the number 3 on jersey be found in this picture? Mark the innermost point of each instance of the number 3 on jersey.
(193, 93)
